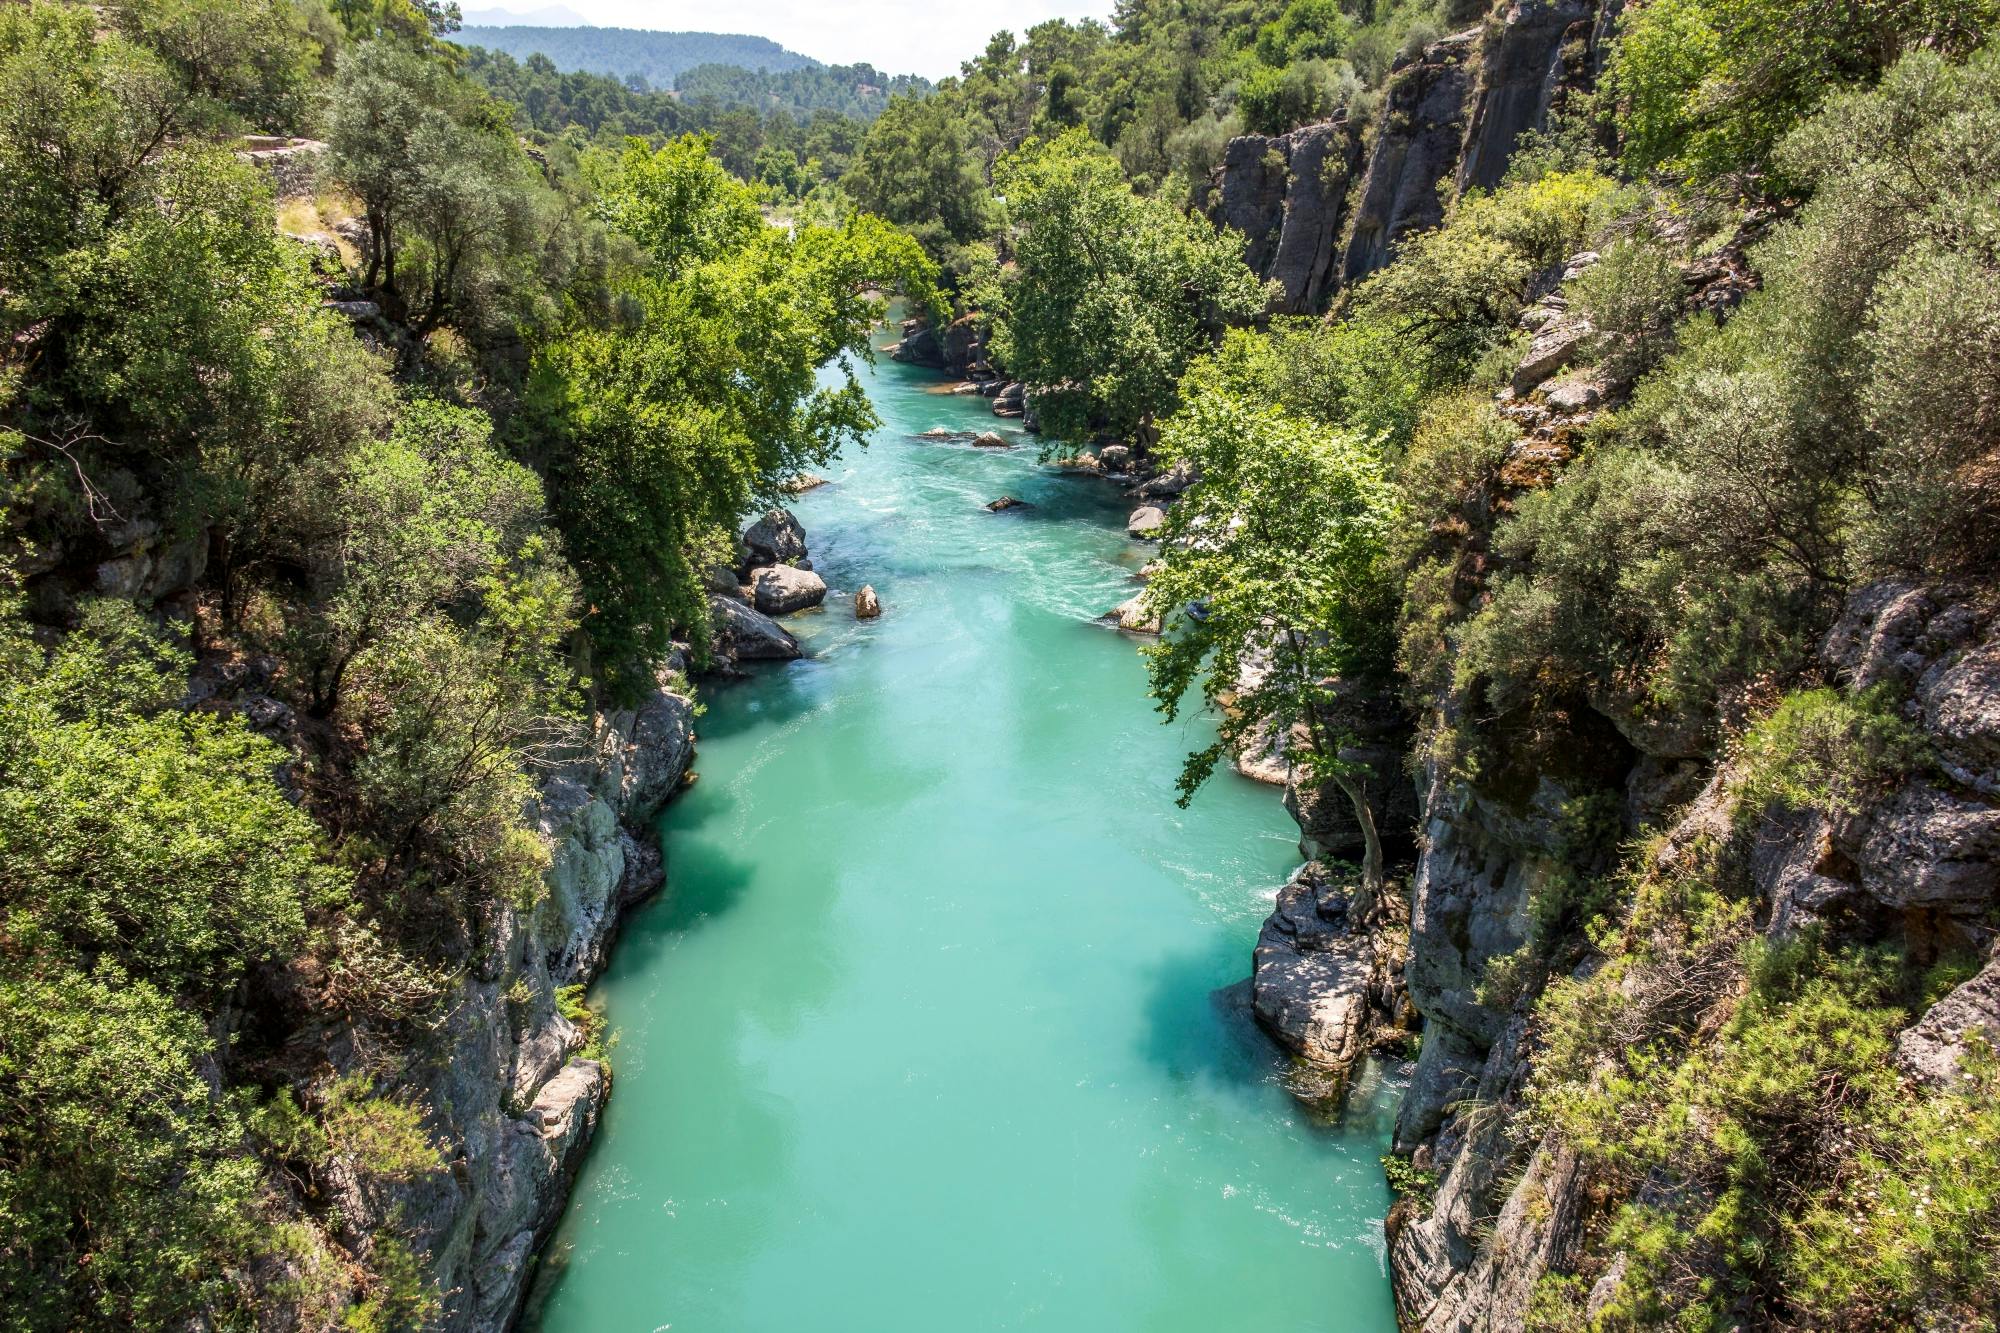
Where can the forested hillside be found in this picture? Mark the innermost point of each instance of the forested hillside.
(655, 58)
(356, 476)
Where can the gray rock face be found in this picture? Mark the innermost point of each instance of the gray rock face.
(722, 581)
(781, 590)
(1134, 617)
(920, 346)
(1920, 861)
(1169, 483)
(775, 539)
(508, 1096)
(1321, 974)
(1286, 195)
(1146, 522)
(1557, 345)
(1380, 740)
(1934, 1048)
(1423, 117)
(1536, 51)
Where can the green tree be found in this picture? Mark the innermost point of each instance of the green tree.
(913, 169)
(660, 433)
(451, 202)
(1274, 583)
(1707, 88)
(1111, 295)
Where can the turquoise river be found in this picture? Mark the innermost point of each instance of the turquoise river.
(923, 1036)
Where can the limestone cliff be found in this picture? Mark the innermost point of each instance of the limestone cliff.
(1325, 205)
(1288, 196)
(509, 1093)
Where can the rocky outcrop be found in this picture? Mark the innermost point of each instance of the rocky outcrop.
(1416, 147)
(1532, 55)
(1134, 616)
(1287, 194)
(1917, 866)
(867, 606)
(775, 539)
(1146, 522)
(1378, 739)
(509, 1095)
(1327, 972)
(959, 349)
(743, 634)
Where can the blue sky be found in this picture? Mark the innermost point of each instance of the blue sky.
(928, 37)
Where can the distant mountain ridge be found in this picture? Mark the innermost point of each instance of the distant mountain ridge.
(549, 16)
(658, 57)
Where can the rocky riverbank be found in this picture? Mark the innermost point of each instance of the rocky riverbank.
(513, 1076)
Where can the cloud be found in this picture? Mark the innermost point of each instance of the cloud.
(926, 37)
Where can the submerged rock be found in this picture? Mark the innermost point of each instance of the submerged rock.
(781, 590)
(867, 606)
(1006, 502)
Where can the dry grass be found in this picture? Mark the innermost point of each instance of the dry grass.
(320, 213)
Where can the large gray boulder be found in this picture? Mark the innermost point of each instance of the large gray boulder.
(1312, 973)
(746, 635)
(781, 590)
(1146, 522)
(775, 539)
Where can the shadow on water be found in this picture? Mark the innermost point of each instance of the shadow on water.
(703, 882)
(1198, 1020)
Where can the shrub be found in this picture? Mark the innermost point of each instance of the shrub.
(1827, 750)
(1632, 297)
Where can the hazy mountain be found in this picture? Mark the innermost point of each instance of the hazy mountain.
(657, 57)
(548, 16)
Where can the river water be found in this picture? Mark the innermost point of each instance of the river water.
(922, 1037)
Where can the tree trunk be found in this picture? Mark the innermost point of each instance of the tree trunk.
(1371, 857)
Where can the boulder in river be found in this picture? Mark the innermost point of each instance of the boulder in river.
(1008, 502)
(721, 580)
(775, 539)
(1146, 522)
(1134, 617)
(867, 606)
(782, 589)
(746, 635)
(1170, 483)
(1115, 458)
(1328, 972)
(990, 439)
(800, 482)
